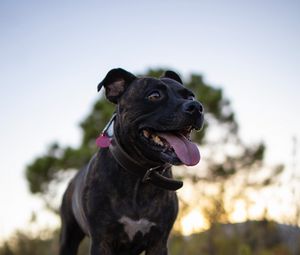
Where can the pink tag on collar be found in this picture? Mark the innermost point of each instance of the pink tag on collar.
(103, 141)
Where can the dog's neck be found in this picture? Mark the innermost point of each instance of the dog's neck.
(152, 172)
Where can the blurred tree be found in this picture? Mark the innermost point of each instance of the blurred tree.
(6, 250)
(226, 155)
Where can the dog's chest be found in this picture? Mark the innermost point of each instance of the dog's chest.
(132, 227)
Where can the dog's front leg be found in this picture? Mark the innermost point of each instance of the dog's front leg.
(158, 248)
(100, 248)
(157, 251)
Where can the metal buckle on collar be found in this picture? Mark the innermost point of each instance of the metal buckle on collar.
(147, 176)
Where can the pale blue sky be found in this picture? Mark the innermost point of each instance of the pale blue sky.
(53, 54)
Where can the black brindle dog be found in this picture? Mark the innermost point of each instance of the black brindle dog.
(125, 199)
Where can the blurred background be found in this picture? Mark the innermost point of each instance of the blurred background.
(242, 60)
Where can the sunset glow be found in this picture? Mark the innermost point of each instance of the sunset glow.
(193, 222)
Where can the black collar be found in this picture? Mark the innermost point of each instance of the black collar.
(154, 173)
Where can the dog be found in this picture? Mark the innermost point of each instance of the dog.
(125, 199)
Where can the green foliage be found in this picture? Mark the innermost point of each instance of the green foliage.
(250, 238)
(23, 244)
(45, 169)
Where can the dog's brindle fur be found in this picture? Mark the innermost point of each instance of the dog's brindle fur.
(120, 213)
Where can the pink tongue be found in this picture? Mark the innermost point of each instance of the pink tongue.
(185, 150)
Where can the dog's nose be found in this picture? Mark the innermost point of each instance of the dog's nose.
(192, 107)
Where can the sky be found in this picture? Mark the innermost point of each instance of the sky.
(54, 53)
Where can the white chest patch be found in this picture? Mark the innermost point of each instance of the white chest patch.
(131, 227)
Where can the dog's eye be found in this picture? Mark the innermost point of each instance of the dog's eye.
(155, 95)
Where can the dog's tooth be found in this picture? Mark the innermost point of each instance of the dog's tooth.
(158, 141)
(146, 133)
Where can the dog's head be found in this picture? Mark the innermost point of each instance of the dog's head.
(154, 116)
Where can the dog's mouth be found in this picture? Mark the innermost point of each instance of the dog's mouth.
(175, 146)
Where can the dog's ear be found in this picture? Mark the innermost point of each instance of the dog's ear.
(172, 75)
(115, 83)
